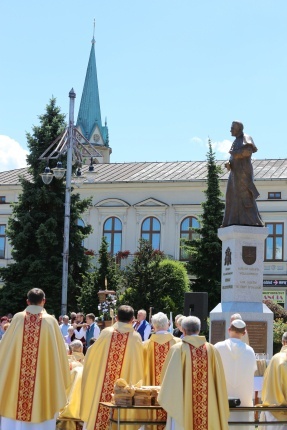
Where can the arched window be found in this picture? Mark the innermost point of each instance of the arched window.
(113, 232)
(186, 233)
(151, 231)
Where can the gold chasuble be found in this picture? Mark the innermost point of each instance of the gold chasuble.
(72, 408)
(274, 391)
(118, 353)
(193, 390)
(155, 352)
(34, 368)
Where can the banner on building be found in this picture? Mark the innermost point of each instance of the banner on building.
(275, 296)
(275, 282)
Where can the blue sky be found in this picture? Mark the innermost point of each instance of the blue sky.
(171, 74)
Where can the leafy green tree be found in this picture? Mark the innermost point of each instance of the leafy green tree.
(205, 250)
(36, 227)
(172, 283)
(153, 281)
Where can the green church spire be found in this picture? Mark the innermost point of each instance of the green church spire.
(89, 116)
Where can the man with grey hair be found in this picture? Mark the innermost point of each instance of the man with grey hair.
(193, 375)
(239, 364)
(141, 325)
(176, 331)
(274, 386)
(76, 350)
(190, 326)
(284, 338)
(156, 348)
(155, 352)
(65, 325)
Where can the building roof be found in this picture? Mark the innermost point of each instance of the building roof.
(272, 169)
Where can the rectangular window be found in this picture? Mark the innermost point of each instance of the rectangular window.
(2, 240)
(2, 199)
(274, 242)
(275, 195)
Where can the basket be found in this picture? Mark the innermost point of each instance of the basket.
(143, 400)
(121, 400)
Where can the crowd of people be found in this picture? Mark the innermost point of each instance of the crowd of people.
(65, 369)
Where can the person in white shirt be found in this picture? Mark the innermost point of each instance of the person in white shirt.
(89, 330)
(239, 363)
(65, 325)
(141, 325)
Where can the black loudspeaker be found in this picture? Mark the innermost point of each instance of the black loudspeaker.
(196, 304)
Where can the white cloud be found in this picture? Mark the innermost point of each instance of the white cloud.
(196, 139)
(12, 155)
(222, 148)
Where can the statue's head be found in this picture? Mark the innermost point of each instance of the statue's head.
(236, 128)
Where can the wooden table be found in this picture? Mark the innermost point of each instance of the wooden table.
(120, 422)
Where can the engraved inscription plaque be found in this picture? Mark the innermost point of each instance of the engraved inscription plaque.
(217, 331)
(257, 333)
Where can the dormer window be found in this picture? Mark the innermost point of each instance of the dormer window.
(274, 195)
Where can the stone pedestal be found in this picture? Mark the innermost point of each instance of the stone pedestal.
(242, 282)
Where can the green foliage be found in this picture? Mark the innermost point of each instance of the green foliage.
(279, 311)
(104, 262)
(172, 283)
(108, 271)
(279, 327)
(35, 229)
(205, 251)
(88, 300)
(153, 281)
(279, 323)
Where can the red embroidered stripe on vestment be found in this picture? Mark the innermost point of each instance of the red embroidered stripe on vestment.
(160, 353)
(29, 358)
(199, 372)
(113, 371)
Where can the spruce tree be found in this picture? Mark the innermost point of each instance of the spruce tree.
(107, 275)
(36, 227)
(205, 250)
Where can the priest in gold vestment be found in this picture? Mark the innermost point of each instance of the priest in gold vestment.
(156, 349)
(118, 353)
(193, 390)
(155, 352)
(34, 369)
(274, 391)
(71, 411)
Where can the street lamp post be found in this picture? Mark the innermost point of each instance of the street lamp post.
(72, 143)
(72, 96)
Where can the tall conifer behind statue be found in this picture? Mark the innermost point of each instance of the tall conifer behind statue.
(36, 227)
(205, 251)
